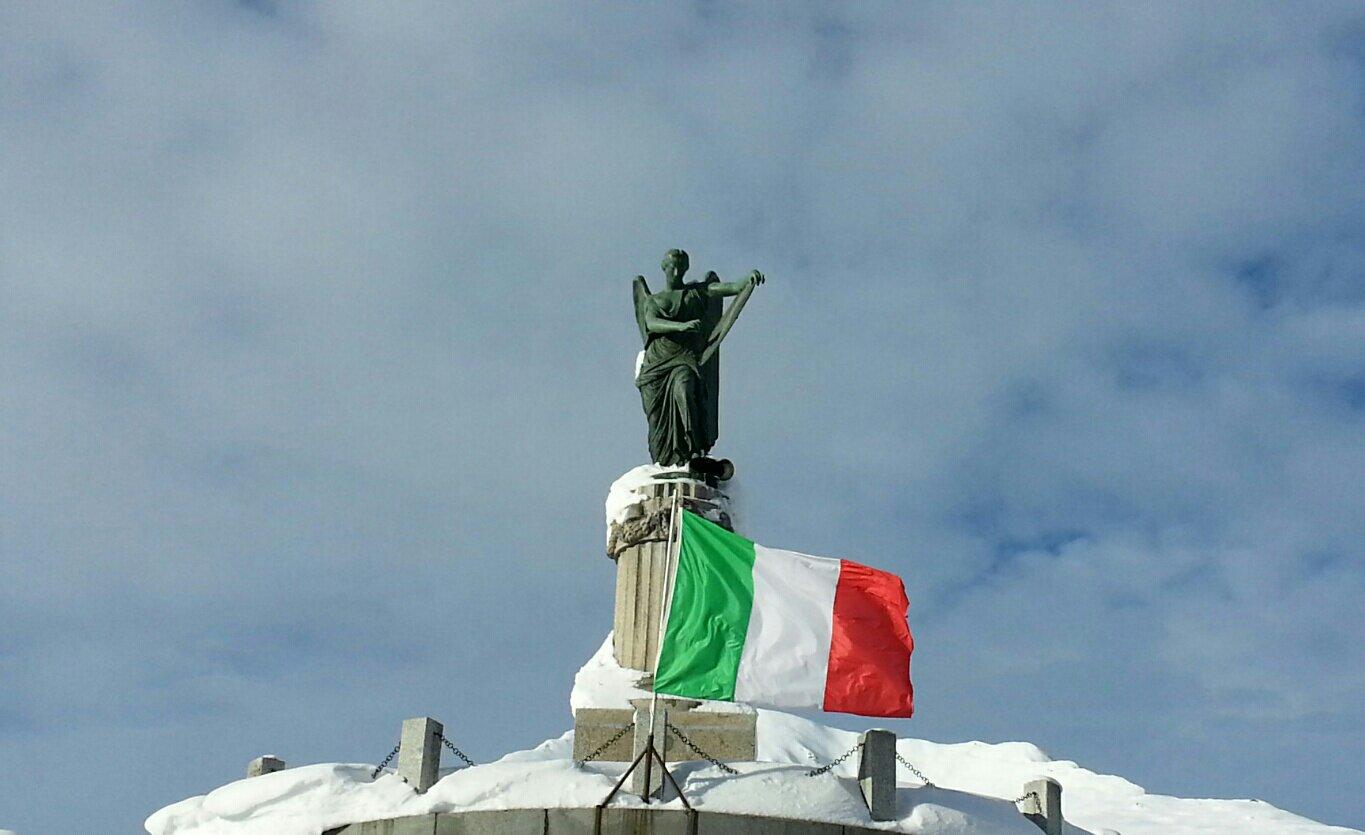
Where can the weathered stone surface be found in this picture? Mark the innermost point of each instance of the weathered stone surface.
(615, 821)
(419, 752)
(1043, 804)
(639, 580)
(646, 522)
(509, 822)
(647, 519)
(415, 825)
(594, 726)
(264, 765)
(877, 773)
(729, 737)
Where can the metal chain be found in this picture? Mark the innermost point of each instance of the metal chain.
(816, 772)
(700, 753)
(599, 750)
(915, 771)
(456, 751)
(1025, 796)
(385, 763)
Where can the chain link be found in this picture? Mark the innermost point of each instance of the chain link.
(601, 749)
(1025, 796)
(816, 772)
(385, 763)
(456, 751)
(700, 753)
(915, 771)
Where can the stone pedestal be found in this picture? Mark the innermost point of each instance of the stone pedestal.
(638, 511)
(638, 542)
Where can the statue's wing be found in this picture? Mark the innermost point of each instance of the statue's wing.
(641, 292)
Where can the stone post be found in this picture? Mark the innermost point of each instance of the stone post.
(647, 780)
(877, 773)
(639, 545)
(264, 765)
(1043, 804)
(419, 752)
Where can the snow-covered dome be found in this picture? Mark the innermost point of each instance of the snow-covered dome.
(975, 784)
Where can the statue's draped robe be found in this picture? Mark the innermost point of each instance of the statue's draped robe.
(675, 394)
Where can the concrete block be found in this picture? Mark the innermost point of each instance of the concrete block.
(593, 726)
(504, 822)
(1043, 805)
(415, 825)
(617, 821)
(264, 765)
(569, 821)
(877, 773)
(419, 752)
(634, 821)
(723, 824)
(729, 737)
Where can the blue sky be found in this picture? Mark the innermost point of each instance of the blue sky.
(316, 347)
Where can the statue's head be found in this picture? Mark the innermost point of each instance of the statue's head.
(675, 263)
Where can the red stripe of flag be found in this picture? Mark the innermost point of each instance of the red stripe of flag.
(869, 653)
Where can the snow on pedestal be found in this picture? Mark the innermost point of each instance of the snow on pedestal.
(976, 781)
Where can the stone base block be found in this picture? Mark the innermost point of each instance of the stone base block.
(729, 737)
(593, 726)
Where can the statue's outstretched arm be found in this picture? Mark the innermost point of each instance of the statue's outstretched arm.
(655, 323)
(734, 288)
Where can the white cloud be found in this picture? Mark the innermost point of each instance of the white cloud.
(316, 338)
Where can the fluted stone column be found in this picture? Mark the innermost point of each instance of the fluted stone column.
(639, 545)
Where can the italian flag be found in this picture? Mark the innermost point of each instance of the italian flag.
(753, 624)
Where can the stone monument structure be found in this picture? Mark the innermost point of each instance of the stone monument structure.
(617, 718)
(678, 376)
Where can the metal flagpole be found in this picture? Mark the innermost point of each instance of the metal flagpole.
(674, 542)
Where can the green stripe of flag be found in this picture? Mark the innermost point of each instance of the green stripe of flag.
(712, 598)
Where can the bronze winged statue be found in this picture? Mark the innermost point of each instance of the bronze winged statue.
(679, 378)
